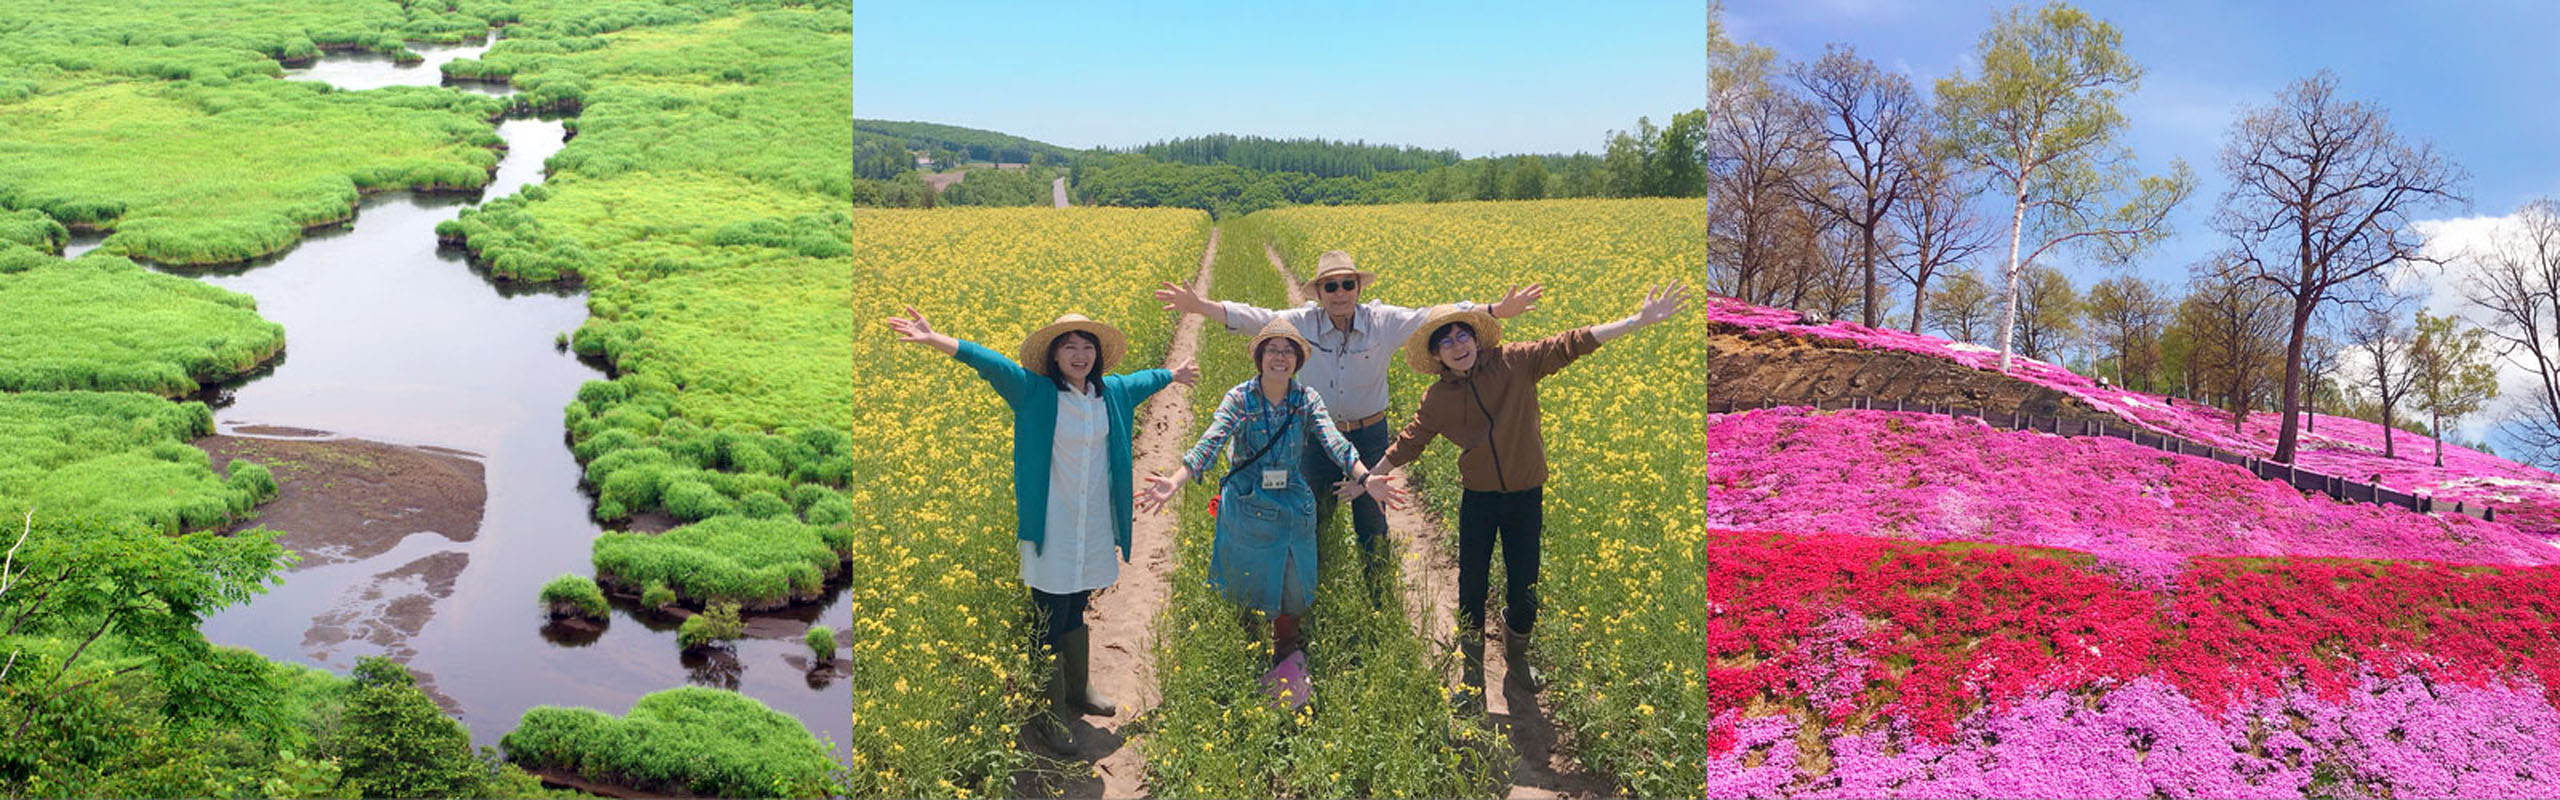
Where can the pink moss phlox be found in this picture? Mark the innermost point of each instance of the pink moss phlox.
(2527, 497)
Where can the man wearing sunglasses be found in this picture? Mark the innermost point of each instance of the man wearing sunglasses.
(1354, 343)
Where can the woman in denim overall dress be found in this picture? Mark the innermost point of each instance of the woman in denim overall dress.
(1264, 557)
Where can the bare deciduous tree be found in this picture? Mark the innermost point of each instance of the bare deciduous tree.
(2516, 283)
(2380, 334)
(2125, 315)
(1761, 144)
(1866, 117)
(1961, 308)
(2236, 326)
(1934, 222)
(2321, 201)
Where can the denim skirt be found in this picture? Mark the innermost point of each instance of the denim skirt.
(1264, 556)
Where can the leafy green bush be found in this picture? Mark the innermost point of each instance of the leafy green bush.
(393, 742)
(574, 596)
(715, 624)
(657, 595)
(694, 739)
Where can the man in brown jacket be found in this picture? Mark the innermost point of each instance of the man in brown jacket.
(1486, 400)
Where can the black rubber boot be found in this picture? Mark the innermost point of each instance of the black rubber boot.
(1469, 696)
(1074, 650)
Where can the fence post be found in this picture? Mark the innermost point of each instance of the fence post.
(1897, 404)
(2488, 514)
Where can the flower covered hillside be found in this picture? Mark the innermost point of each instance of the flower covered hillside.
(2337, 446)
(2138, 510)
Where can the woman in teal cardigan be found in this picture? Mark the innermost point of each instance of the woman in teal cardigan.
(1071, 478)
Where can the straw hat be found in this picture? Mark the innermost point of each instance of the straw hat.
(1279, 329)
(1417, 349)
(1035, 348)
(1336, 263)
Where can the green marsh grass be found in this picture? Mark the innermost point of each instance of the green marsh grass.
(762, 563)
(1380, 725)
(102, 323)
(119, 455)
(705, 741)
(574, 596)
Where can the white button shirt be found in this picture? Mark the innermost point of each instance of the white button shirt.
(1348, 368)
(1080, 553)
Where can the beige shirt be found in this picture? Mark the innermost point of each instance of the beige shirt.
(1348, 368)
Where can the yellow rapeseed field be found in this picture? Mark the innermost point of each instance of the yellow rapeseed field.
(942, 672)
(1622, 573)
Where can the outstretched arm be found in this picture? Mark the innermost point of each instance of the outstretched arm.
(1187, 299)
(913, 328)
(1660, 302)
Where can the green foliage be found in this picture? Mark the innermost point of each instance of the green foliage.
(105, 324)
(969, 143)
(574, 596)
(760, 562)
(822, 643)
(717, 623)
(392, 741)
(2453, 372)
(705, 741)
(31, 228)
(112, 739)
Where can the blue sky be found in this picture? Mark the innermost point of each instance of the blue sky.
(2472, 76)
(1478, 77)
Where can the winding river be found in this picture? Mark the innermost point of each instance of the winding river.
(391, 339)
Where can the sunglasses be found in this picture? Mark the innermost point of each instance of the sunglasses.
(1454, 337)
(1339, 286)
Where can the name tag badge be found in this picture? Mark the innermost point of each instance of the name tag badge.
(1275, 479)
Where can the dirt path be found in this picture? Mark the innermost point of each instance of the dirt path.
(1123, 616)
(1058, 198)
(1431, 604)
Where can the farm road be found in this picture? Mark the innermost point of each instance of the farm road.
(1058, 198)
(1430, 558)
(1123, 616)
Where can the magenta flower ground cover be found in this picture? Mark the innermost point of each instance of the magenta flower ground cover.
(2336, 446)
(2139, 511)
(1851, 666)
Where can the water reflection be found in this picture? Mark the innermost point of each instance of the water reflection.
(368, 70)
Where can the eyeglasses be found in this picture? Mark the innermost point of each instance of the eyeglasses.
(1454, 337)
(1339, 286)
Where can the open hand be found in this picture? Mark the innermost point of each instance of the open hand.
(1159, 489)
(1660, 302)
(1518, 301)
(1186, 372)
(913, 327)
(1389, 491)
(1178, 297)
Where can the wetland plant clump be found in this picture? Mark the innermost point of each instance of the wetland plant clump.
(709, 742)
(716, 624)
(822, 644)
(574, 596)
(761, 563)
(121, 455)
(105, 324)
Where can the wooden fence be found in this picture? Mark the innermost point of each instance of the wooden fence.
(2344, 489)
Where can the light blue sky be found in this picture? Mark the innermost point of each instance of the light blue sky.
(2475, 77)
(1478, 77)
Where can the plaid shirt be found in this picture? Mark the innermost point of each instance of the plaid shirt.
(1252, 420)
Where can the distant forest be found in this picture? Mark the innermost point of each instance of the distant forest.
(1227, 174)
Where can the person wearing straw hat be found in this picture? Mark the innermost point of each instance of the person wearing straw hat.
(1485, 400)
(1353, 342)
(1264, 554)
(1071, 478)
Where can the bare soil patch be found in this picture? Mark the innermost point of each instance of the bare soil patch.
(342, 500)
(1789, 370)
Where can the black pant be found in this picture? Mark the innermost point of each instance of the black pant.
(1368, 521)
(1516, 519)
(1058, 614)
